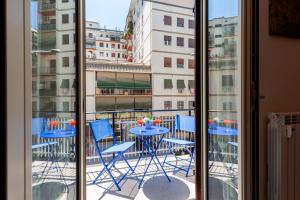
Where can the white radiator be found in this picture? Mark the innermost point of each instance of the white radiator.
(284, 156)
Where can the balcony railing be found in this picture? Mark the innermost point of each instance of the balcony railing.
(121, 122)
(113, 91)
(44, 71)
(47, 6)
(47, 27)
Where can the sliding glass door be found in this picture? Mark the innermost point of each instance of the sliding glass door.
(54, 99)
(223, 97)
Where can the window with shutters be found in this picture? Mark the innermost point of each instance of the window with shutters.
(180, 22)
(180, 63)
(180, 41)
(167, 20)
(191, 63)
(167, 62)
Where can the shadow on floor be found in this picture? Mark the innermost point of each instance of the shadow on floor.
(53, 190)
(159, 188)
(219, 189)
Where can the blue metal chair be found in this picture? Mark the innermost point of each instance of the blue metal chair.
(102, 129)
(182, 123)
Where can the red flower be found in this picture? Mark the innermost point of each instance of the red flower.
(157, 121)
(139, 122)
(54, 123)
(210, 121)
(72, 122)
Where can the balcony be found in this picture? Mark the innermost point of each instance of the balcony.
(43, 71)
(125, 92)
(47, 6)
(222, 162)
(47, 27)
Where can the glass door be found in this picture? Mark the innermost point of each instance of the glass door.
(223, 96)
(54, 96)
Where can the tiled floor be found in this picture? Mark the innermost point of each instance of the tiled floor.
(155, 185)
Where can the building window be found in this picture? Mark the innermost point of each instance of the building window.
(74, 38)
(90, 35)
(180, 84)
(106, 45)
(191, 24)
(113, 45)
(65, 39)
(65, 106)
(167, 105)
(101, 54)
(227, 83)
(180, 105)
(180, 22)
(191, 43)
(118, 55)
(113, 55)
(74, 17)
(191, 84)
(218, 36)
(180, 41)
(218, 25)
(75, 61)
(65, 1)
(191, 64)
(66, 61)
(65, 84)
(65, 18)
(167, 40)
(118, 46)
(101, 44)
(168, 84)
(167, 20)
(191, 104)
(167, 62)
(227, 106)
(180, 63)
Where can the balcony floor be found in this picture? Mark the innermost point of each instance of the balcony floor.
(155, 186)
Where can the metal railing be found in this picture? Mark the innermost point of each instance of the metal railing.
(121, 122)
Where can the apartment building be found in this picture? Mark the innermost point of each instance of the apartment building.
(117, 86)
(163, 37)
(224, 67)
(54, 64)
(105, 44)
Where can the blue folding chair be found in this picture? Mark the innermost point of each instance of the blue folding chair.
(182, 123)
(102, 129)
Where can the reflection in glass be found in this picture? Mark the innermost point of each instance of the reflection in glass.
(53, 99)
(223, 98)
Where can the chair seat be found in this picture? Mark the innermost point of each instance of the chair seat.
(122, 147)
(178, 141)
(36, 146)
(235, 144)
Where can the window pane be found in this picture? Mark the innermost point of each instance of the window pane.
(180, 22)
(53, 100)
(224, 99)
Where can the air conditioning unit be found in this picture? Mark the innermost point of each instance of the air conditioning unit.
(283, 156)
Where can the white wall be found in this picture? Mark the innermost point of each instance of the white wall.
(279, 70)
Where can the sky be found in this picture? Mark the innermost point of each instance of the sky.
(111, 13)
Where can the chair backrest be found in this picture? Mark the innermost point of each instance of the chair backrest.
(38, 125)
(101, 129)
(185, 123)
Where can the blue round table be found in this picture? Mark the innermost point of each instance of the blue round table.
(146, 137)
(223, 131)
(59, 134)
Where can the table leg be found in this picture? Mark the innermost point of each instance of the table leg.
(152, 153)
